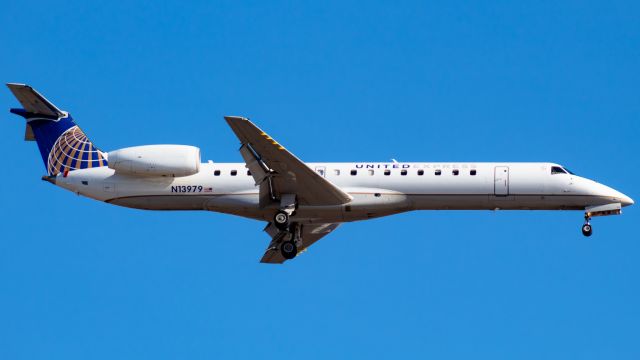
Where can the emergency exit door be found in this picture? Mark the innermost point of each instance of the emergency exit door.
(501, 181)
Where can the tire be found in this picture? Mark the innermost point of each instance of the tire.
(281, 220)
(289, 250)
(587, 230)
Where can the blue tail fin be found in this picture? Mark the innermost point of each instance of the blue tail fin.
(63, 146)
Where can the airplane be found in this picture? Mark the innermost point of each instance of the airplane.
(300, 202)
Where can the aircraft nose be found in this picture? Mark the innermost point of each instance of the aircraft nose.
(625, 200)
(611, 193)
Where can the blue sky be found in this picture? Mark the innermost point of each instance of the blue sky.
(332, 81)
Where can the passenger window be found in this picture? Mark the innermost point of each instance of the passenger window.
(420, 172)
(438, 172)
(387, 172)
(455, 172)
(336, 172)
(216, 173)
(472, 173)
(403, 172)
(557, 170)
(354, 172)
(370, 172)
(234, 172)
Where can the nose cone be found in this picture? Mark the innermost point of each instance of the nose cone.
(620, 197)
(609, 193)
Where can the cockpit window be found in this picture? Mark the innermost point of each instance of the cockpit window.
(569, 171)
(557, 170)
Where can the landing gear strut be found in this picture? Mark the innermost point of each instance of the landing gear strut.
(586, 228)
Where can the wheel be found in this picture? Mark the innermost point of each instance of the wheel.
(288, 249)
(281, 220)
(587, 230)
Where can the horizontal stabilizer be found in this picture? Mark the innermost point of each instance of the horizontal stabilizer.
(33, 102)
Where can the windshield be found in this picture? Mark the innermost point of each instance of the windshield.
(557, 170)
(560, 170)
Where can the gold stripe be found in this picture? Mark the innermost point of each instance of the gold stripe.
(90, 157)
(100, 159)
(57, 149)
(58, 164)
(70, 157)
(85, 149)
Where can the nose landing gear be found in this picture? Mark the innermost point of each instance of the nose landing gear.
(586, 228)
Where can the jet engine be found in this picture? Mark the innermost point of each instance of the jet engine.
(156, 160)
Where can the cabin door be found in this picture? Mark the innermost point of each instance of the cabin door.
(501, 181)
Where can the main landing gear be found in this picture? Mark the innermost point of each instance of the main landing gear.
(587, 230)
(288, 249)
(288, 206)
(281, 220)
(292, 241)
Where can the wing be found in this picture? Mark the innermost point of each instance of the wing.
(310, 234)
(276, 169)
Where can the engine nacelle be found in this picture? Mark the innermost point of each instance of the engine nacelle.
(156, 160)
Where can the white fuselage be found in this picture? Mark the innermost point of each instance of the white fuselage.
(377, 189)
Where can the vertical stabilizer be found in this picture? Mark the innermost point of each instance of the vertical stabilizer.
(62, 144)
